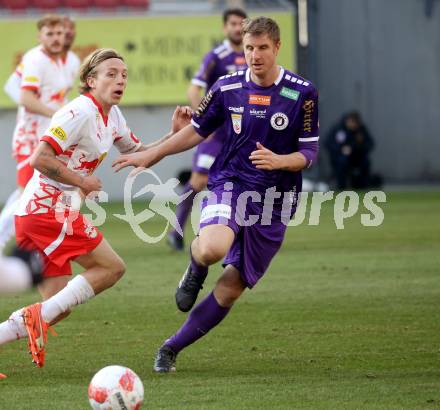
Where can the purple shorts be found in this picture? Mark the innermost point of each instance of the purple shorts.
(255, 244)
(205, 154)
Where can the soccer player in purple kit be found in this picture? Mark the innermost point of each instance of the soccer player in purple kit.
(271, 116)
(224, 59)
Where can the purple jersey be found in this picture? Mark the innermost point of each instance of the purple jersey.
(282, 117)
(220, 61)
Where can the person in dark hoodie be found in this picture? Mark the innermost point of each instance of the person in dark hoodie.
(349, 144)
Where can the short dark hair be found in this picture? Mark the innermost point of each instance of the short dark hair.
(355, 116)
(262, 25)
(233, 12)
(50, 20)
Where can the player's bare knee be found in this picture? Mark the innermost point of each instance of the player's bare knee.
(209, 253)
(119, 269)
(116, 269)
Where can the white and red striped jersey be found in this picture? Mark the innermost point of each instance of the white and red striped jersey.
(81, 136)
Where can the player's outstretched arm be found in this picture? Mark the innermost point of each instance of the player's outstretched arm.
(264, 158)
(44, 160)
(183, 140)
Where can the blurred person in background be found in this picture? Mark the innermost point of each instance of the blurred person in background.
(349, 145)
(20, 271)
(12, 86)
(224, 59)
(39, 86)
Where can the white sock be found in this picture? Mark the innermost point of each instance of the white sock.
(77, 291)
(7, 223)
(14, 275)
(13, 328)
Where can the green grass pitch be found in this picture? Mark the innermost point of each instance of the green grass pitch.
(344, 319)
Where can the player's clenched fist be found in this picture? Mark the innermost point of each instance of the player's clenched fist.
(264, 158)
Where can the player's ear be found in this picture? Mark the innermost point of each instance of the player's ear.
(91, 82)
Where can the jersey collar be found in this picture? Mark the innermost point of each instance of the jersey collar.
(98, 106)
(53, 59)
(277, 81)
(227, 44)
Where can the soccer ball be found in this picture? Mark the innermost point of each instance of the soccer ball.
(116, 388)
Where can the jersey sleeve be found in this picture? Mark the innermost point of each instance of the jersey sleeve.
(12, 87)
(203, 75)
(124, 140)
(308, 139)
(66, 128)
(210, 114)
(31, 74)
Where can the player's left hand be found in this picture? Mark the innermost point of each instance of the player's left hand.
(264, 158)
(181, 118)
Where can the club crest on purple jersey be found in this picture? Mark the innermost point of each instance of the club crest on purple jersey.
(236, 122)
(279, 121)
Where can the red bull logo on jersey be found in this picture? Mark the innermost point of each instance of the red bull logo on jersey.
(89, 166)
(90, 230)
(58, 97)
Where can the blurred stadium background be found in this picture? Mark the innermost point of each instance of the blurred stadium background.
(377, 57)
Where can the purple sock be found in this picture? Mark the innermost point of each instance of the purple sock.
(184, 208)
(206, 315)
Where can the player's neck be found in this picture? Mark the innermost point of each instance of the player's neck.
(53, 56)
(63, 55)
(238, 48)
(102, 105)
(268, 79)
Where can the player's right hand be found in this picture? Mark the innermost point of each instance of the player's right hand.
(140, 159)
(90, 184)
